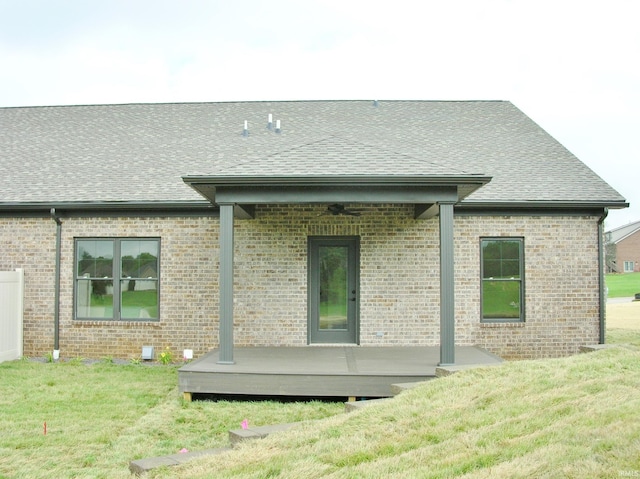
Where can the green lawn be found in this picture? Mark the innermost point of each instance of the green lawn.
(623, 285)
(572, 417)
(623, 336)
(102, 416)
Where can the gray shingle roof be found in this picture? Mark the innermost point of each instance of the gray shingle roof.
(140, 152)
(334, 156)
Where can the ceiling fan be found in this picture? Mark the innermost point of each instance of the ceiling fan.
(338, 209)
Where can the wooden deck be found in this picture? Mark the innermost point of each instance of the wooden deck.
(317, 371)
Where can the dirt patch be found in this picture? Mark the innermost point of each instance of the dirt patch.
(624, 315)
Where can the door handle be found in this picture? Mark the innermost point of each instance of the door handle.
(352, 299)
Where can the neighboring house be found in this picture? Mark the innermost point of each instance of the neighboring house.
(623, 249)
(214, 225)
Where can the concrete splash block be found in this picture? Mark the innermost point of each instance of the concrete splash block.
(590, 348)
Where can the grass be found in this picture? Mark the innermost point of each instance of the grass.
(623, 285)
(102, 416)
(623, 336)
(571, 417)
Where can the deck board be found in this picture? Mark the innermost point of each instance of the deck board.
(316, 371)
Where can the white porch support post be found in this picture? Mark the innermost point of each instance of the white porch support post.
(226, 284)
(447, 300)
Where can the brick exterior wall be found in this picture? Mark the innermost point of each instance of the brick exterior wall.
(561, 285)
(188, 286)
(399, 284)
(30, 244)
(628, 249)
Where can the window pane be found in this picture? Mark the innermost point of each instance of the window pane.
(491, 269)
(510, 268)
(502, 279)
(333, 287)
(94, 298)
(139, 258)
(510, 249)
(95, 259)
(134, 261)
(500, 259)
(139, 298)
(501, 299)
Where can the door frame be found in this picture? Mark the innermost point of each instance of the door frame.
(313, 294)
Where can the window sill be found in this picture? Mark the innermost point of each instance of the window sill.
(503, 324)
(115, 322)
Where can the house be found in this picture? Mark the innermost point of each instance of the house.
(623, 249)
(374, 223)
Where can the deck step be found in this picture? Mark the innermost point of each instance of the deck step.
(399, 387)
(239, 435)
(442, 371)
(140, 466)
(350, 406)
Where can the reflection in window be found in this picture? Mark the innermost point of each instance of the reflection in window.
(502, 291)
(134, 262)
(333, 287)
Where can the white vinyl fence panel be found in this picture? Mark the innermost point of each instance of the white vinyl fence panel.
(11, 308)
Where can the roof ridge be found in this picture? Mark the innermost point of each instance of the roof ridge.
(245, 102)
(625, 226)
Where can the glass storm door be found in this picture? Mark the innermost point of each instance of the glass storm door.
(333, 290)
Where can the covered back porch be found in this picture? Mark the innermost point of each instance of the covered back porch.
(237, 197)
(315, 173)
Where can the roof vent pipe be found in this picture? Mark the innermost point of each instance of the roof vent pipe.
(278, 129)
(245, 132)
(375, 103)
(270, 122)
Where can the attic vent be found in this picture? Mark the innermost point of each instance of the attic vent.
(270, 122)
(375, 103)
(278, 129)
(245, 131)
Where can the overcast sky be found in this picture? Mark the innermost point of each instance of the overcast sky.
(572, 66)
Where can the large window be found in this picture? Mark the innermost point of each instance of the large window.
(117, 279)
(502, 273)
